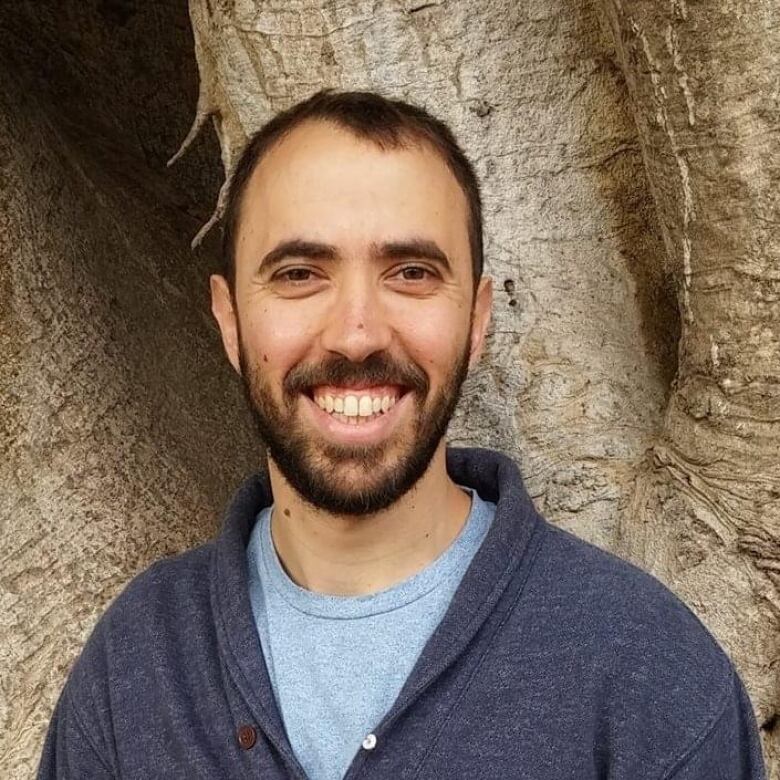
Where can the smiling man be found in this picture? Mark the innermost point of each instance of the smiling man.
(379, 605)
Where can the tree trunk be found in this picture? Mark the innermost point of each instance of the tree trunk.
(628, 153)
(122, 431)
(705, 516)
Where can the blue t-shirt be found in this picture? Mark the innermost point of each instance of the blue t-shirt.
(337, 663)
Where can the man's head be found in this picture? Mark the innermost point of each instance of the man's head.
(352, 303)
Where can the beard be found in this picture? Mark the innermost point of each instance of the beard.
(377, 475)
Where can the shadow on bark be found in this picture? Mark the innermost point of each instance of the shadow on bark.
(122, 429)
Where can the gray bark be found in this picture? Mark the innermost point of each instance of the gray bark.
(705, 516)
(121, 427)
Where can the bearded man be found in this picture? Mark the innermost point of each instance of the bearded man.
(379, 605)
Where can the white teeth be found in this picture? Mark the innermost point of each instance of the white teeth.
(351, 406)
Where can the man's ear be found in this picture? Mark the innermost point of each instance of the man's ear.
(483, 303)
(226, 317)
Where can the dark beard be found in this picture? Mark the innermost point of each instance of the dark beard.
(290, 448)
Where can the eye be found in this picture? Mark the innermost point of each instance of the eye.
(415, 273)
(294, 275)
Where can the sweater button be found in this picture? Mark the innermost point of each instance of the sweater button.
(369, 743)
(247, 736)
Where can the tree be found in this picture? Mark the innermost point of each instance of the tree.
(629, 157)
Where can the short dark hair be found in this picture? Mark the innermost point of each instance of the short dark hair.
(391, 124)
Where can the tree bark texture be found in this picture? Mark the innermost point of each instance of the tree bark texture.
(628, 153)
(121, 429)
(705, 516)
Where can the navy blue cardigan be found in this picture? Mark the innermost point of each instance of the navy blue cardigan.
(555, 661)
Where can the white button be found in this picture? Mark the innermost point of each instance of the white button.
(369, 743)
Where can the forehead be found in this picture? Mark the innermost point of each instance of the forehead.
(321, 182)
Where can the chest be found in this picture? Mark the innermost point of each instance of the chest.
(492, 720)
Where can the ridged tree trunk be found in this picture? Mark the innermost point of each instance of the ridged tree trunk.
(705, 516)
(629, 158)
(122, 431)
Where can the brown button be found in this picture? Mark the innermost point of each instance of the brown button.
(247, 736)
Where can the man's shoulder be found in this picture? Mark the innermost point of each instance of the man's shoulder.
(164, 603)
(162, 609)
(627, 604)
(178, 585)
(634, 644)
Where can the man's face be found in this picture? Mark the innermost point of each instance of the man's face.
(353, 327)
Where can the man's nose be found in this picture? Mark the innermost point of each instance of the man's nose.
(357, 324)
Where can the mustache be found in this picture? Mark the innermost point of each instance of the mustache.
(376, 369)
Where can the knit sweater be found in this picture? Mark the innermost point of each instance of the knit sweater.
(555, 661)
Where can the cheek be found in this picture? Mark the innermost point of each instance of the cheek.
(276, 340)
(433, 337)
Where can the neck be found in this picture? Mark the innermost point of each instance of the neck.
(347, 555)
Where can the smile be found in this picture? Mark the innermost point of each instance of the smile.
(357, 415)
(356, 405)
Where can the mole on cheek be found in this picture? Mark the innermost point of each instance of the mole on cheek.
(286, 512)
(265, 358)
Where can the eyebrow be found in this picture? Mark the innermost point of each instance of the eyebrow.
(409, 249)
(412, 249)
(296, 247)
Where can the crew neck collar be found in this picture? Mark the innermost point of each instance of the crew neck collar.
(353, 607)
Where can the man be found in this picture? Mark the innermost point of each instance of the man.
(377, 605)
